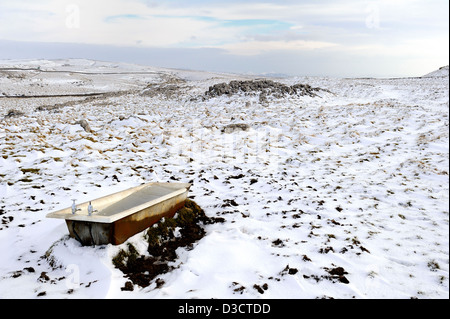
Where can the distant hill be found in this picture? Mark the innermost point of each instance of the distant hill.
(441, 72)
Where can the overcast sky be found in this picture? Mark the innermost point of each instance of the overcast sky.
(322, 37)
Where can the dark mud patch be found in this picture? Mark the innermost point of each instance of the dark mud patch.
(335, 274)
(289, 271)
(262, 288)
(238, 288)
(229, 203)
(186, 228)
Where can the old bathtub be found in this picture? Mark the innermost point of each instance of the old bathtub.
(116, 217)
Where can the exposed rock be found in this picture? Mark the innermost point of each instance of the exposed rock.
(13, 113)
(166, 90)
(230, 128)
(169, 87)
(263, 87)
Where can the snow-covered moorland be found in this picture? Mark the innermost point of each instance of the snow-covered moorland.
(342, 193)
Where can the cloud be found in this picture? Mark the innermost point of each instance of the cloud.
(168, 23)
(122, 17)
(199, 22)
(258, 47)
(375, 28)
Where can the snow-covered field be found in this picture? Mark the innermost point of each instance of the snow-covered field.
(342, 195)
